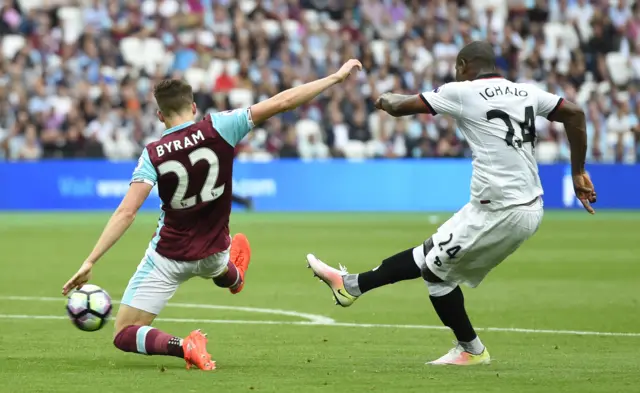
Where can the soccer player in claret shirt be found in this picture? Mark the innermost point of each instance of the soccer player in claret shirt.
(192, 167)
(497, 118)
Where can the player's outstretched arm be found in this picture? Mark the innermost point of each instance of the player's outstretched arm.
(118, 224)
(573, 119)
(402, 105)
(299, 95)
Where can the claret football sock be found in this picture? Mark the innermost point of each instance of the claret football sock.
(148, 341)
(230, 279)
(396, 268)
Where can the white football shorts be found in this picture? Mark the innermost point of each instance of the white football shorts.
(475, 240)
(157, 278)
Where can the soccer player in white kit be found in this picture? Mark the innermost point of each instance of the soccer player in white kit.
(497, 118)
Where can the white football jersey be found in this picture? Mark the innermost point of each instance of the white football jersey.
(497, 118)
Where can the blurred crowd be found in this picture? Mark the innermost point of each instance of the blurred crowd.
(76, 76)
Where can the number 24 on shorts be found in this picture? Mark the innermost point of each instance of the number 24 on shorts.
(451, 251)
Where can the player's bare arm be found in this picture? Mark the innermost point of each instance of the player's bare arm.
(401, 105)
(299, 95)
(118, 224)
(573, 118)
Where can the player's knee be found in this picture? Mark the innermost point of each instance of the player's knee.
(118, 327)
(120, 336)
(437, 287)
(127, 339)
(131, 316)
(121, 322)
(442, 288)
(116, 337)
(430, 276)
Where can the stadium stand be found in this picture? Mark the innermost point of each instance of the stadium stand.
(76, 76)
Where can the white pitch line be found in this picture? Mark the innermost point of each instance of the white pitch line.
(176, 320)
(488, 329)
(313, 318)
(353, 325)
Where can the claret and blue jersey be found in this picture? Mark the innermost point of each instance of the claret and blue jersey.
(192, 166)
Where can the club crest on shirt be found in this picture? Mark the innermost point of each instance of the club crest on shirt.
(140, 164)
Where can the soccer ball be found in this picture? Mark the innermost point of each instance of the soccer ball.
(89, 307)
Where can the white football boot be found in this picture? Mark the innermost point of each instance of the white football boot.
(459, 357)
(333, 278)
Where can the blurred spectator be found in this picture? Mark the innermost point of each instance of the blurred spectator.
(30, 149)
(289, 147)
(76, 75)
(620, 125)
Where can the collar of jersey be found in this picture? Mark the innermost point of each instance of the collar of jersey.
(489, 75)
(178, 127)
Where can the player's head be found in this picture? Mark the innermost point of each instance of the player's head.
(174, 98)
(475, 58)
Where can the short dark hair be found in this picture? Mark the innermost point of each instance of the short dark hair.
(173, 96)
(479, 54)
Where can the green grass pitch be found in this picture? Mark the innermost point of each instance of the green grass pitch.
(579, 273)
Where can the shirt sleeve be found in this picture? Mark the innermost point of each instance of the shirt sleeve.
(445, 100)
(232, 125)
(145, 171)
(548, 103)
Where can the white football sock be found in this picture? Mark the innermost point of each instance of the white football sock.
(350, 282)
(474, 347)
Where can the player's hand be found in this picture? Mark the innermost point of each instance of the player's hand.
(584, 190)
(79, 279)
(347, 68)
(380, 101)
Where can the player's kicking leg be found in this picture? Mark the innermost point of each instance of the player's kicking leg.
(467, 247)
(152, 285)
(447, 298)
(347, 287)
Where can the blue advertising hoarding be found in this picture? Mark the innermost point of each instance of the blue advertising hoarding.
(290, 185)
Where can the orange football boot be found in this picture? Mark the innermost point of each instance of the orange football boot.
(240, 256)
(195, 351)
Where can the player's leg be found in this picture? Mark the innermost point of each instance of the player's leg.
(245, 202)
(152, 285)
(228, 268)
(133, 333)
(449, 258)
(467, 254)
(448, 302)
(347, 287)
(405, 265)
